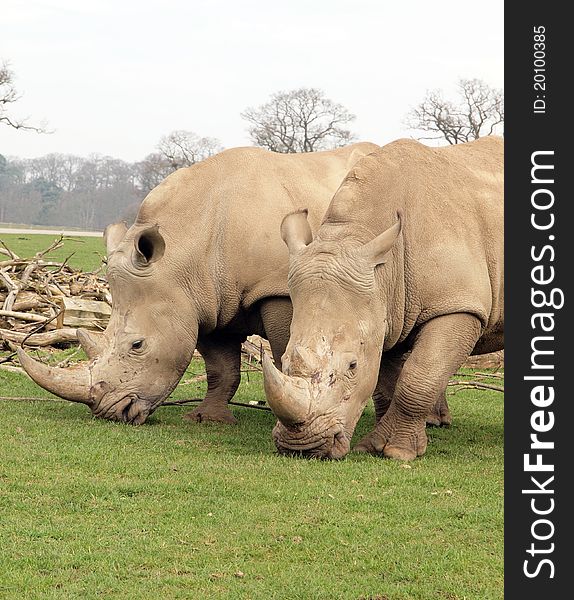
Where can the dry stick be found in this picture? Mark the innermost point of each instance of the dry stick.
(28, 398)
(171, 403)
(10, 285)
(64, 263)
(40, 327)
(56, 244)
(8, 358)
(12, 263)
(23, 316)
(487, 375)
(12, 369)
(55, 284)
(185, 402)
(8, 252)
(18, 287)
(474, 384)
(30, 304)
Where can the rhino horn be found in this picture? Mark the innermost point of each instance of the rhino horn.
(70, 384)
(306, 358)
(90, 343)
(113, 236)
(288, 397)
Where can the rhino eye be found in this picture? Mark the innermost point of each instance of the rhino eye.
(353, 365)
(137, 345)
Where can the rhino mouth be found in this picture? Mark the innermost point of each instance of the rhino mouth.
(125, 408)
(330, 443)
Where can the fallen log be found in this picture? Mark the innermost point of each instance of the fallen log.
(23, 316)
(81, 312)
(48, 338)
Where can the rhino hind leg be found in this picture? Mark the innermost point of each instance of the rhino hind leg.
(222, 355)
(390, 369)
(440, 348)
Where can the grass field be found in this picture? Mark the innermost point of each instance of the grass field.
(92, 509)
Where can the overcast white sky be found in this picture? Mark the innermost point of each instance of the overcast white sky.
(113, 76)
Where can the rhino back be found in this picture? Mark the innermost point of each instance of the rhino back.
(451, 255)
(220, 218)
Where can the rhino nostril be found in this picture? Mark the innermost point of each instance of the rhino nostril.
(126, 412)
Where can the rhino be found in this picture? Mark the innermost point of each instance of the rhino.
(403, 280)
(199, 268)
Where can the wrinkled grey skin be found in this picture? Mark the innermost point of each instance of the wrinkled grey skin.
(402, 282)
(201, 268)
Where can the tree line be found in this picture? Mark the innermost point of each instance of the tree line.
(91, 192)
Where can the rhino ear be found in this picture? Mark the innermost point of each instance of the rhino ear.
(295, 231)
(149, 246)
(377, 250)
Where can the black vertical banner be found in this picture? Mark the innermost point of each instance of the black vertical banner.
(539, 355)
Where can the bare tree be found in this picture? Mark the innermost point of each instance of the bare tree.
(184, 148)
(152, 170)
(9, 95)
(479, 112)
(302, 120)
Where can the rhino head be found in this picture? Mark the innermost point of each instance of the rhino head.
(139, 359)
(331, 363)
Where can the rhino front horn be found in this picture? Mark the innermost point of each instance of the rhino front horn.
(288, 397)
(70, 384)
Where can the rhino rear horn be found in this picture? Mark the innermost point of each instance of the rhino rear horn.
(71, 384)
(113, 235)
(90, 342)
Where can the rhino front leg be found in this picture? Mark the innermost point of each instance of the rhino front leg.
(222, 355)
(439, 415)
(440, 348)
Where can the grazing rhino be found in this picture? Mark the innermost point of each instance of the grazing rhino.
(386, 304)
(201, 268)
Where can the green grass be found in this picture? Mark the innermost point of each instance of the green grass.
(176, 510)
(87, 251)
(92, 509)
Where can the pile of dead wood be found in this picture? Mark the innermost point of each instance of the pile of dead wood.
(43, 300)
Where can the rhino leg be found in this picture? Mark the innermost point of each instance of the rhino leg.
(440, 348)
(391, 366)
(222, 355)
(276, 314)
(440, 416)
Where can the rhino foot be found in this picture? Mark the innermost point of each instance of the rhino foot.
(395, 438)
(440, 415)
(210, 411)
